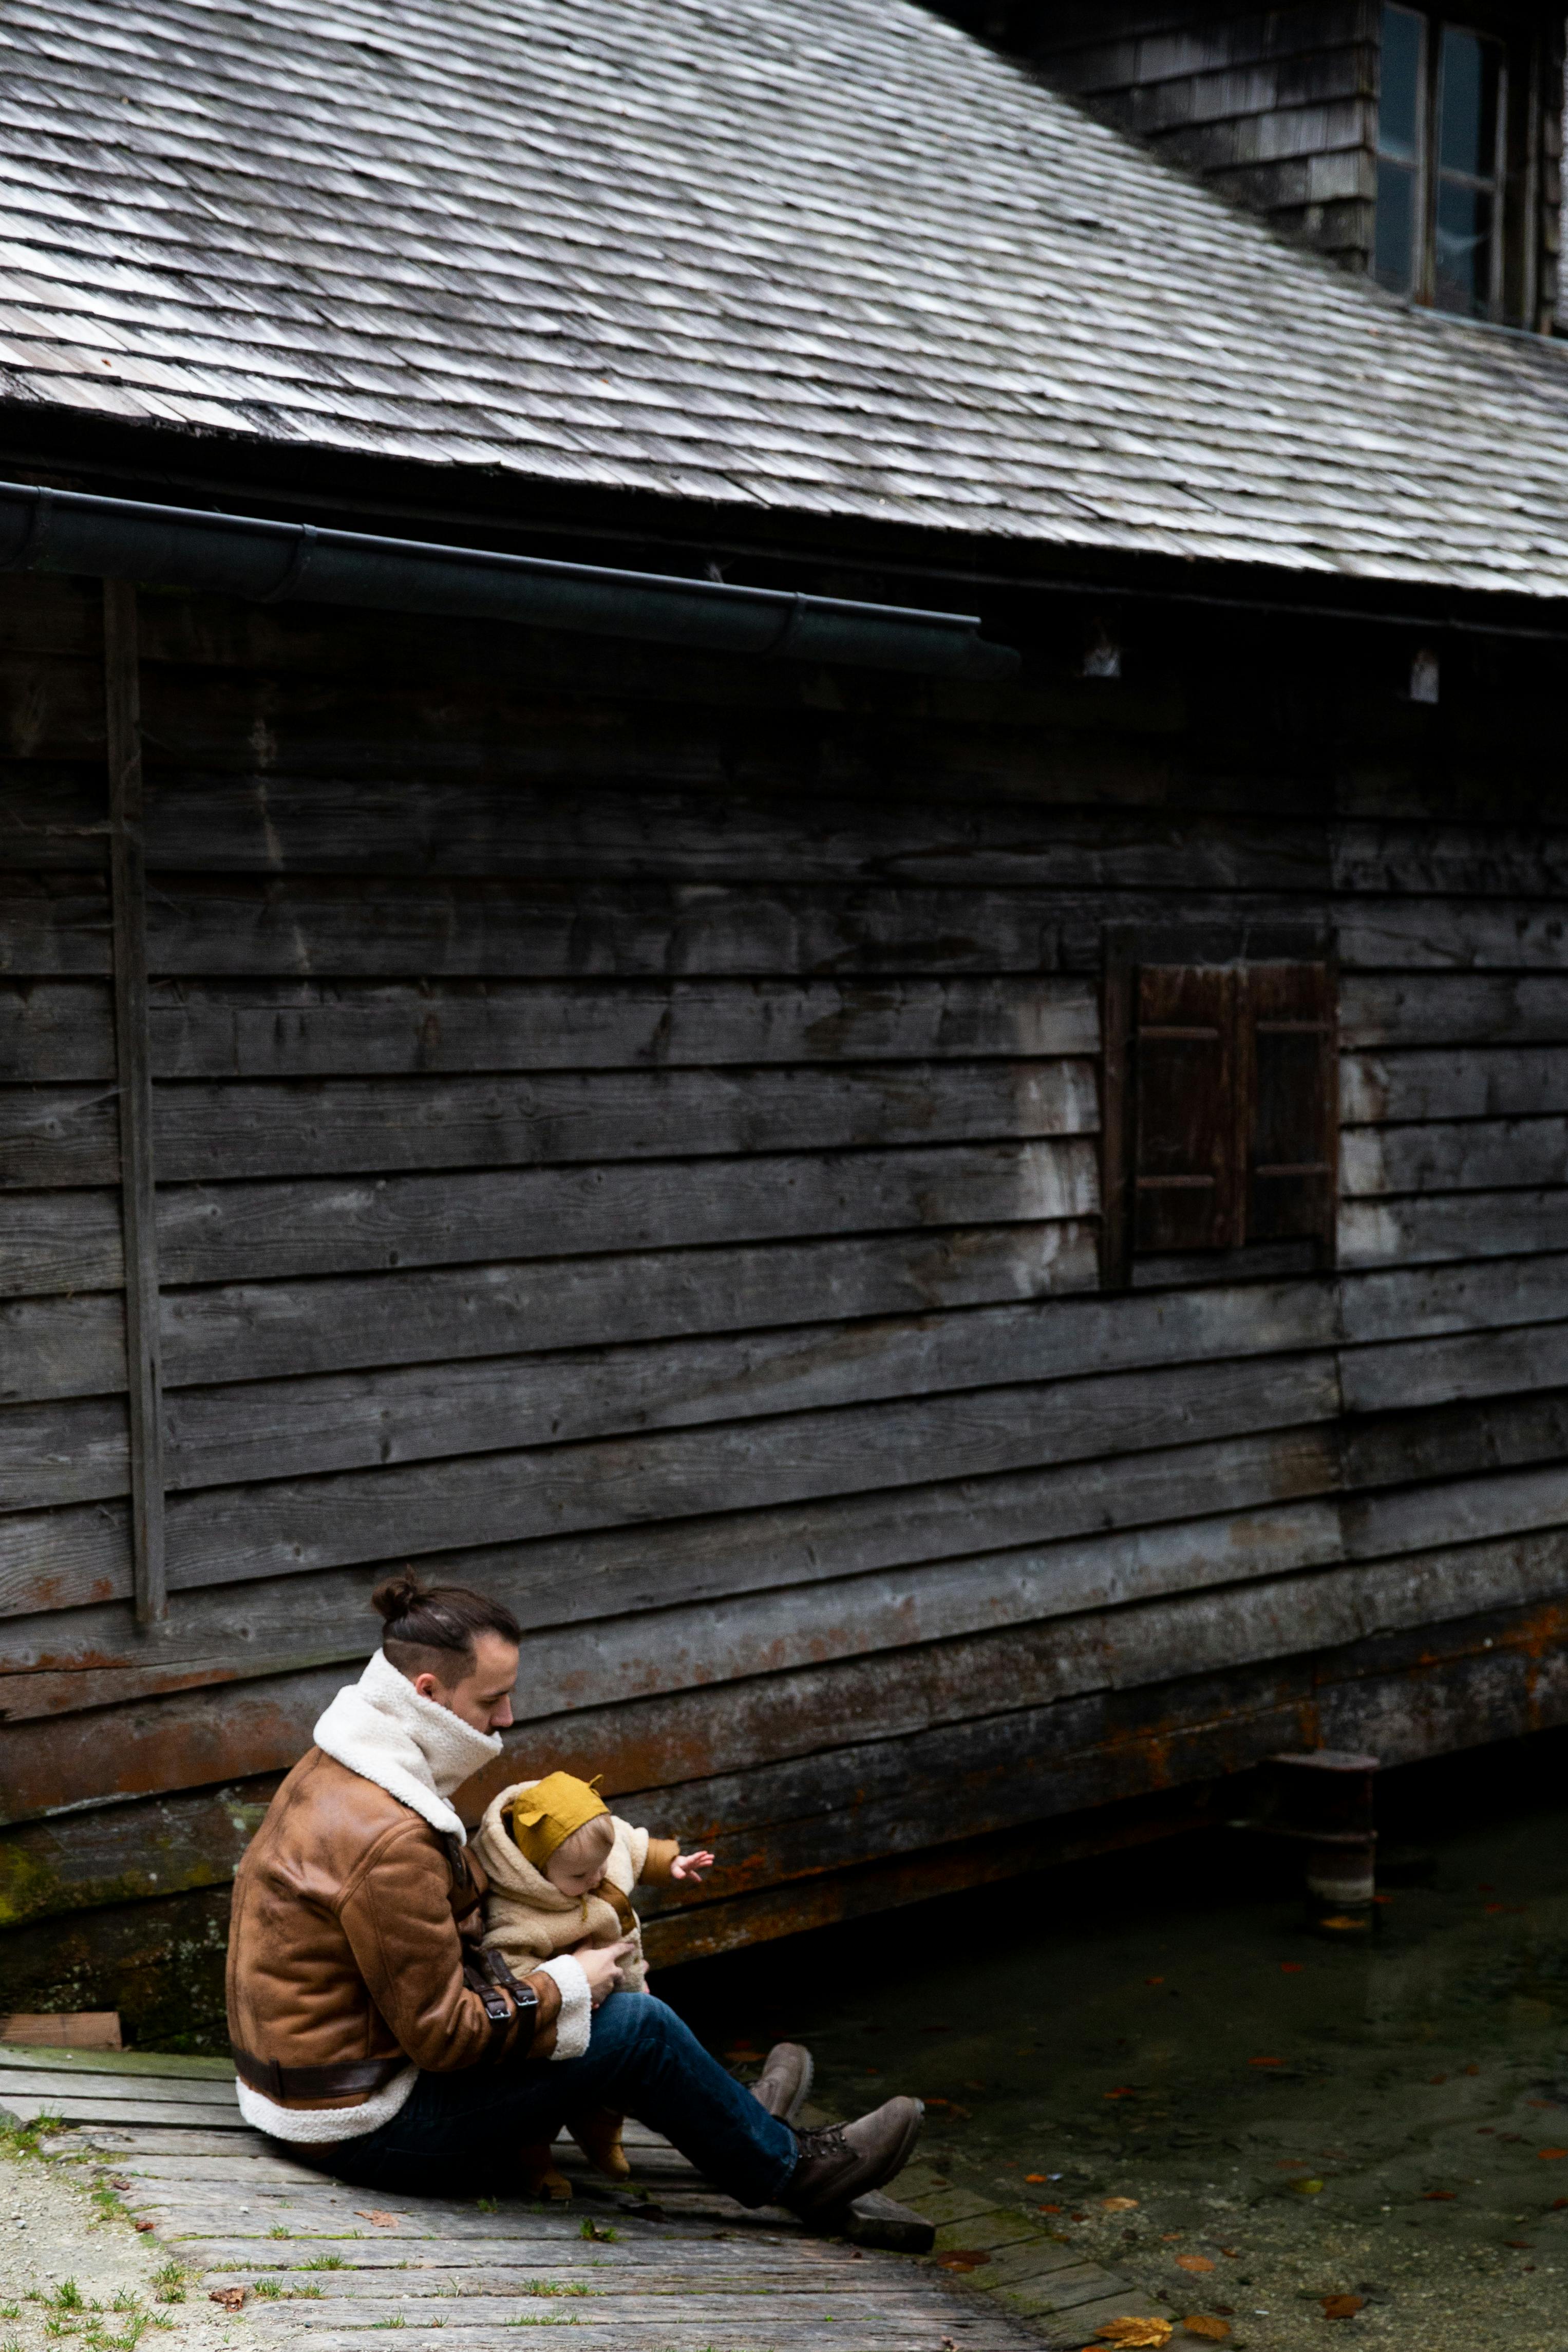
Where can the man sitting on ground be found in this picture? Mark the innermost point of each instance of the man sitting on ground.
(372, 2032)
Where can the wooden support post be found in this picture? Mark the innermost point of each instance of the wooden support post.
(128, 883)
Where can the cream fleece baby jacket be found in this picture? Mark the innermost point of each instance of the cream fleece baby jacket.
(528, 1920)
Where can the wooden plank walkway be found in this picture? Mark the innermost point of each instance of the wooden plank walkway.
(668, 2264)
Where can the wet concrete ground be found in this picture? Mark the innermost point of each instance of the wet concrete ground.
(1318, 2138)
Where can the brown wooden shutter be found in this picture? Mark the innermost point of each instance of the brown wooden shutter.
(1185, 1193)
(1288, 1069)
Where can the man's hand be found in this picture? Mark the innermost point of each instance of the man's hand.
(690, 1866)
(601, 1964)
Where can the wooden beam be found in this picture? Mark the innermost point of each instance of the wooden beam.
(133, 1055)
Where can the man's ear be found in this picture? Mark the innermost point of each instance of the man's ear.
(428, 1687)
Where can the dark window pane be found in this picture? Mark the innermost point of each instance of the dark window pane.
(1463, 274)
(1467, 135)
(1469, 81)
(1395, 255)
(1400, 107)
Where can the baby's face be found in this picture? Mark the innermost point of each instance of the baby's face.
(577, 1867)
(582, 1881)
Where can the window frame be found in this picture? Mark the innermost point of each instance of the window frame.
(1428, 174)
(1243, 984)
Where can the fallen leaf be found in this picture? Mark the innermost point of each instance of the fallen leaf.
(1291, 1967)
(1529, 2103)
(1472, 2070)
(1213, 2331)
(231, 2298)
(1342, 2306)
(1048, 2208)
(1437, 2079)
(1119, 2204)
(1153, 1979)
(1383, 1898)
(372, 2214)
(1439, 2196)
(970, 2085)
(1550, 2155)
(1557, 2204)
(1308, 2187)
(1292, 2164)
(1231, 2253)
(143, 2225)
(962, 2258)
(1170, 2237)
(1034, 2178)
(1131, 2332)
(1520, 2245)
(1195, 2262)
(1343, 1920)
(1125, 2091)
(1264, 2062)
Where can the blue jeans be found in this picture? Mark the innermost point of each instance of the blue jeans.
(641, 2059)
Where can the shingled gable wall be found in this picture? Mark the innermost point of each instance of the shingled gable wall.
(1278, 108)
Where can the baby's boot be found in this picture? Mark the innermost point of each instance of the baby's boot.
(540, 2176)
(597, 2132)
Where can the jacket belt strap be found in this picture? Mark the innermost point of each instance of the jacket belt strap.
(355, 2078)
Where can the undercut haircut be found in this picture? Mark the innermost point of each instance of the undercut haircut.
(431, 1629)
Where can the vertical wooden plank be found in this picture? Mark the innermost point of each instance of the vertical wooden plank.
(129, 891)
(1244, 1082)
(1184, 1186)
(1291, 1160)
(1115, 1044)
(1328, 1099)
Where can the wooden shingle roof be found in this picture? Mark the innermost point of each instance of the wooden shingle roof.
(827, 256)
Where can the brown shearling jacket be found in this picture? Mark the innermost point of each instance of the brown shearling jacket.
(352, 1922)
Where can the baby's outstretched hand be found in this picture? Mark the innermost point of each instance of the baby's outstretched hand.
(690, 1866)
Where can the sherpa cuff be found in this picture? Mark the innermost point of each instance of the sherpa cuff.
(575, 2023)
(662, 1857)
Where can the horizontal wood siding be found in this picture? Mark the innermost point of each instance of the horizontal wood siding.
(628, 1136)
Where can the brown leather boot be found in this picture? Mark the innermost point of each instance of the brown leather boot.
(538, 2175)
(843, 2161)
(785, 2083)
(598, 2134)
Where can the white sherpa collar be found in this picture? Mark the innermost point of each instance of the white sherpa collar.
(418, 1752)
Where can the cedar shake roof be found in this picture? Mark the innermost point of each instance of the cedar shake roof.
(827, 256)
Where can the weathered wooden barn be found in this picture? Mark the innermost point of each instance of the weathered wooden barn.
(974, 1243)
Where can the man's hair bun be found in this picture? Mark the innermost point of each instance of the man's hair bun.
(425, 1627)
(399, 1596)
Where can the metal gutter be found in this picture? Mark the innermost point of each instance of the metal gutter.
(272, 563)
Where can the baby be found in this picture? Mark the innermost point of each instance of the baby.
(561, 1868)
